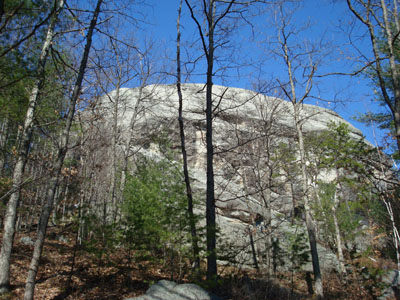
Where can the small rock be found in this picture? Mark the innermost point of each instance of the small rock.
(62, 238)
(26, 240)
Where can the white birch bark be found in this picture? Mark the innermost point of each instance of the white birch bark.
(290, 92)
(44, 218)
(307, 209)
(338, 236)
(25, 135)
(3, 139)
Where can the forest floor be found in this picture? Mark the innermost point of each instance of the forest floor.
(118, 279)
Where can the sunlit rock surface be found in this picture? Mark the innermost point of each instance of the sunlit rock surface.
(169, 290)
(257, 183)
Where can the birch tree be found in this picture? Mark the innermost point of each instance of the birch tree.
(111, 78)
(59, 160)
(25, 136)
(300, 64)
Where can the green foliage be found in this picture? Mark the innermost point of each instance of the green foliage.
(103, 236)
(298, 249)
(350, 192)
(347, 213)
(336, 149)
(154, 209)
(384, 118)
(18, 72)
(277, 254)
(286, 157)
(5, 187)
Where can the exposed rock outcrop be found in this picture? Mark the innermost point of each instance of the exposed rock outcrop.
(257, 184)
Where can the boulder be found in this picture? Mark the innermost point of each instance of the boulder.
(169, 290)
(391, 285)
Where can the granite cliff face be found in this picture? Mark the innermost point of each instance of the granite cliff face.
(257, 182)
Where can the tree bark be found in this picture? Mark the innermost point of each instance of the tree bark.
(3, 141)
(290, 92)
(130, 138)
(339, 244)
(253, 249)
(113, 187)
(309, 222)
(192, 220)
(115, 136)
(1, 10)
(44, 218)
(207, 40)
(210, 194)
(25, 136)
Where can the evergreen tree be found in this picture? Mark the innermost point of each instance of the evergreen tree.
(340, 199)
(155, 218)
(381, 21)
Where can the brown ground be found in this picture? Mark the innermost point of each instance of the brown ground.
(118, 279)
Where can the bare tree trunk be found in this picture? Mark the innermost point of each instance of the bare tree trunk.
(113, 187)
(44, 218)
(3, 138)
(253, 249)
(309, 222)
(268, 225)
(74, 253)
(130, 138)
(115, 136)
(395, 232)
(25, 136)
(65, 200)
(86, 194)
(117, 76)
(210, 194)
(207, 39)
(145, 73)
(192, 221)
(1, 9)
(290, 91)
(339, 244)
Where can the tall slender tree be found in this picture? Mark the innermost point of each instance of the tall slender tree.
(59, 159)
(110, 80)
(213, 12)
(192, 220)
(300, 69)
(25, 136)
(215, 21)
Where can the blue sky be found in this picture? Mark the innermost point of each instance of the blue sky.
(327, 19)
